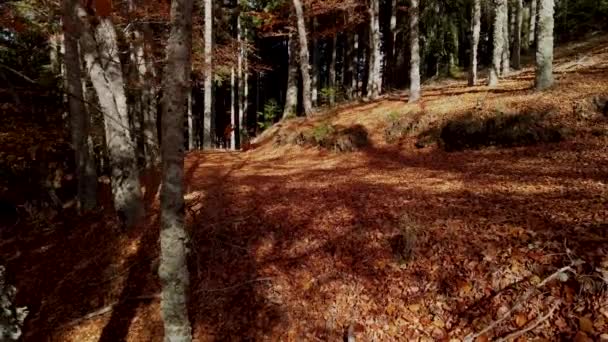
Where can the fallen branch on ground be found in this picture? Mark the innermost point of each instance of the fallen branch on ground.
(524, 298)
(531, 326)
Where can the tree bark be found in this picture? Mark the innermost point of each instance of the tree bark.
(517, 34)
(414, 53)
(208, 122)
(173, 271)
(475, 29)
(544, 45)
(314, 63)
(332, 71)
(291, 95)
(355, 81)
(104, 68)
(304, 58)
(506, 58)
(232, 107)
(375, 78)
(391, 43)
(86, 171)
(190, 116)
(240, 76)
(533, 18)
(149, 101)
(499, 8)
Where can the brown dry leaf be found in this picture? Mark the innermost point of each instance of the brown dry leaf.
(585, 325)
(483, 338)
(521, 319)
(582, 337)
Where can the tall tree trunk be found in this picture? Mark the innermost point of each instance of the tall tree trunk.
(173, 270)
(364, 58)
(355, 67)
(375, 78)
(232, 108)
(208, 124)
(314, 63)
(414, 52)
(291, 95)
(304, 58)
(391, 43)
(332, 71)
(86, 171)
(240, 76)
(499, 8)
(190, 116)
(105, 71)
(149, 101)
(506, 60)
(533, 18)
(544, 45)
(517, 34)
(475, 28)
(243, 118)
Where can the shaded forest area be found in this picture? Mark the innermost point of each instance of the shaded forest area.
(287, 170)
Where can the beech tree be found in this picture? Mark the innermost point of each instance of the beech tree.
(414, 52)
(304, 66)
(500, 7)
(291, 96)
(517, 34)
(375, 61)
(475, 29)
(208, 74)
(86, 170)
(173, 270)
(99, 44)
(544, 45)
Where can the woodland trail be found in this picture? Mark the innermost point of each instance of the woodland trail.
(296, 243)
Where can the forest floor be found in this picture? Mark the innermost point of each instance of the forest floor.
(398, 243)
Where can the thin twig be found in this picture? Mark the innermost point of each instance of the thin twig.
(520, 301)
(531, 326)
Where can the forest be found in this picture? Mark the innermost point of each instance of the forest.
(304, 170)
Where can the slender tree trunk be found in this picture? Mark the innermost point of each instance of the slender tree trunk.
(232, 107)
(190, 116)
(475, 28)
(415, 52)
(355, 81)
(391, 43)
(517, 34)
(304, 58)
(332, 71)
(243, 118)
(544, 45)
(375, 76)
(291, 95)
(499, 8)
(105, 71)
(149, 101)
(86, 171)
(173, 270)
(533, 18)
(525, 29)
(506, 58)
(240, 77)
(314, 77)
(208, 127)
(365, 62)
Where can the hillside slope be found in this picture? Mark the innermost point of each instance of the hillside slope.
(402, 243)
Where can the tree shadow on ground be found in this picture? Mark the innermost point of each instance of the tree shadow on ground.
(289, 235)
